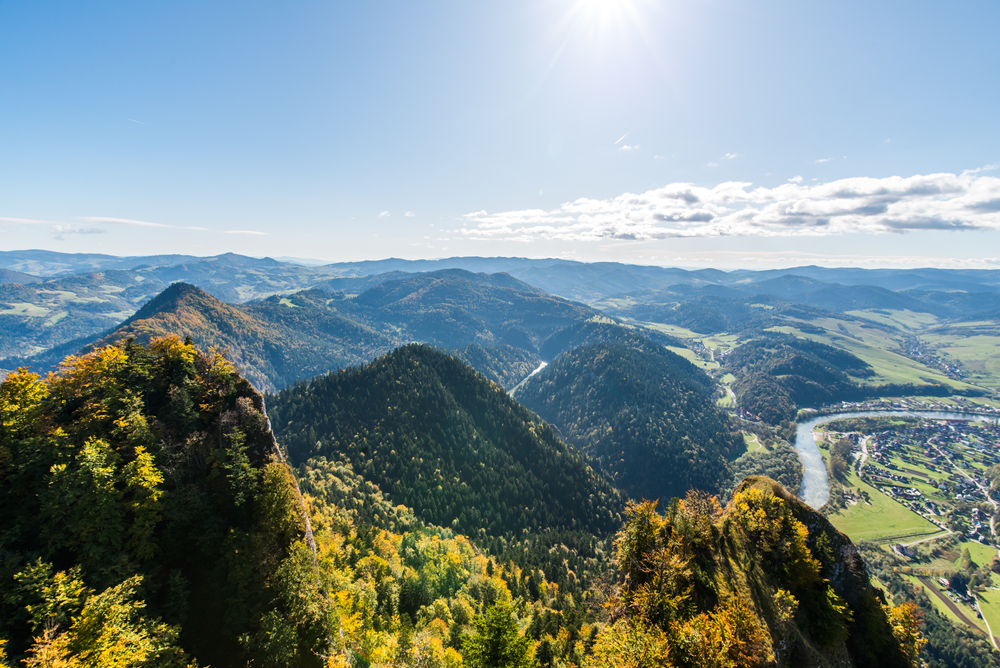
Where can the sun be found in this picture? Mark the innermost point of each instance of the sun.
(603, 18)
(603, 11)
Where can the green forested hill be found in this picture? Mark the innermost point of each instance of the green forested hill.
(436, 436)
(646, 414)
(603, 330)
(147, 518)
(272, 343)
(777, 373)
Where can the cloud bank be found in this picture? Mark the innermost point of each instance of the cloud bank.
(966, 201)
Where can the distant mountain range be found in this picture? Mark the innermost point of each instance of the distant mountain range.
(282, 339)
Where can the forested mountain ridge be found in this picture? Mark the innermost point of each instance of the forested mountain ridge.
(646, 414)
(765, 581)
(776, 374)
(437, 437)
(281, 339)
(454, 308)
(146, 515)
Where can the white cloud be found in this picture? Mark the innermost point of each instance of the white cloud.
(626, 147)
(58, 229)
(824, 160)
(253, 232)
(383, 214)
(795, 179)
(853, 205)
(409, 214)
(712, 164)
(133, 223)
(732, 156)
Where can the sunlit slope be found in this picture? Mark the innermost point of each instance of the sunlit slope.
(764, 581)
(145, 512)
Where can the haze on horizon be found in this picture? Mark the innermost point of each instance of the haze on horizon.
(732, 133)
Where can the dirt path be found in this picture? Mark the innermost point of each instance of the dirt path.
(987, 622)
(924, 540)
(951, 605)
(864, 453)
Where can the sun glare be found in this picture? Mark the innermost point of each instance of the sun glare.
(602, 17)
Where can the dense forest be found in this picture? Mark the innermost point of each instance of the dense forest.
(647, 415)
(149, 519)
(505, 365)
(441, 439)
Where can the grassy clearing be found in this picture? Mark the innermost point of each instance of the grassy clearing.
(989, 603)
(981, 554)
(693, 357)
(883, 521)
(901, 320)
(752, 442)
(944, 609)
(25, 309)
(727, 379)
(938, 603)
(725, 401)
(56, 317)
(672, 330)
(285, 301)
(979, 355)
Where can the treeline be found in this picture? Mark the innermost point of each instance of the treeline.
(437, 437)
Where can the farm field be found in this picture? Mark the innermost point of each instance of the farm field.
(989, 603)
(978, 354)
(901, 320)
(889, 366)
(935, 594)
(883, 520)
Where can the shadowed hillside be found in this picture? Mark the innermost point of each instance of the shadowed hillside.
(436, 436)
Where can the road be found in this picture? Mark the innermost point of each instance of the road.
(951, 605)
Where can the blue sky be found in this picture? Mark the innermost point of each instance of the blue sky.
(722, 133)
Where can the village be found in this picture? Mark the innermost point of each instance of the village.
(944, 471)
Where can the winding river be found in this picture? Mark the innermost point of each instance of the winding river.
(815, 484)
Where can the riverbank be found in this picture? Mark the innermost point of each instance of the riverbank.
(815, 478)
